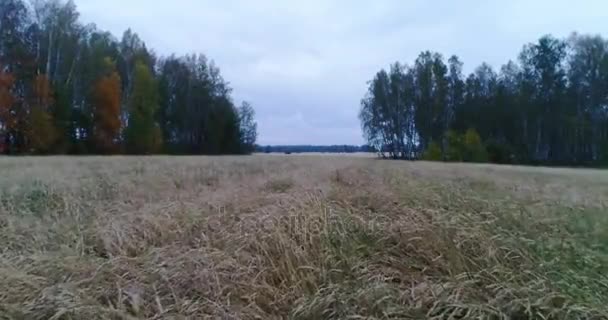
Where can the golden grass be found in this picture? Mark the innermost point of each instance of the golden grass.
(274, 237)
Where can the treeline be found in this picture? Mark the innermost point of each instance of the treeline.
(66, 87)
(548, 107)
(315, 149)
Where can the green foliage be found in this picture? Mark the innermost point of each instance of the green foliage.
(548, 107)
(498, 152)
(222, 130)
(143, 133)
(96, 94)
(383, 116)
(474, 150)
(41, 132)
(432, 153)
(455, 148)
(458, 148)
(248, 127)
(62, 114)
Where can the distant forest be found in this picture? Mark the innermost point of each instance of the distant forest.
(315, 149)
(66, 87)
(550, 106)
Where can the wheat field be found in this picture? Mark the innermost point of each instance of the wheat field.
(299, 237)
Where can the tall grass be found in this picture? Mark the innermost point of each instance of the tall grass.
(300, 238)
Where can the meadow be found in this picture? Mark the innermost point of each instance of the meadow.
(299, 237)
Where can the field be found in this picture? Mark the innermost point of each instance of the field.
(299, 237)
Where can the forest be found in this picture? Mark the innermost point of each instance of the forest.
(549, 106)
(314, 149)
(70, 88)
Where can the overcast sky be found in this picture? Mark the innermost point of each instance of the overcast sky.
(304, 64)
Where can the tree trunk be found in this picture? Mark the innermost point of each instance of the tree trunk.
(56, 68)
(49, 51)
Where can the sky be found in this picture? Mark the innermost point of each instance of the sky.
(304, 65)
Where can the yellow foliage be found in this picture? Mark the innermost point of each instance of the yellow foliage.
(472, 138)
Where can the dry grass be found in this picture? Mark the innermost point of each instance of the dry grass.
(269, 237)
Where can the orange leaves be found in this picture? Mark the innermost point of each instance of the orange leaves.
(107, 95)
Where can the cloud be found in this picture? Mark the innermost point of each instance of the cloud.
(304, 64)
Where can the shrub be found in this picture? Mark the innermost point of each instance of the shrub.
(454, 147)
(498, 152)
(473, 147)
(432, 153)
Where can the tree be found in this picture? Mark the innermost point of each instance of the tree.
(248, 127)
(6, 98)
(433, 152)
(7, 121)
(455, 96)
(387, 113)
(222, 132)
(89, 79)
(174, 91)
(474, 150)
(143, 135)
(544, 87)
(13, 23)
(588, 79)
(58, 37)
(40, 132)
(107, 124)
(549, 107)
(455, 147)
(16, 58)
(466, 147)
(56, 25)
(425, 118)
(371, 115)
